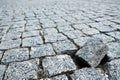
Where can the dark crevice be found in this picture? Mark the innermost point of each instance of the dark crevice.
(104, 60)
(29, 49)
(81, 62)
(5, 71)
(40, 72)
(42, 36)
(68, 75)
(62, 73)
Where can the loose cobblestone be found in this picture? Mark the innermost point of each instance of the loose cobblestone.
(92, 52)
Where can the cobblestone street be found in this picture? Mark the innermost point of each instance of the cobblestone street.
(52, 39)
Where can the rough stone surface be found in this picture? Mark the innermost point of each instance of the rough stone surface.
(12, 55)
(32, 41)
(64, 46)
(90, 31)
(49, 28)
(74, 34)
(54, 37)
(81, 41)
(42, 50)
(87, 74)
(92, 52)
(113, 69)
(114, 50)
(11, 36)
(58, 64)
(2, 70)
(22, 70)
(30, 34)
(10, 44)
(105, 38)
(115, 34)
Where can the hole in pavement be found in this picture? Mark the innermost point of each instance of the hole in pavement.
(104, 60)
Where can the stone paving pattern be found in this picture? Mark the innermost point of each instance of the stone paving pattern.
(39, 38)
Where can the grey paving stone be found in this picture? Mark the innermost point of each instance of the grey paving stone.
(115, 34)
(101, 27)
(63, 28)
(57, 64)
(60, 77)
(11, 36)
(74, 34)
(42, 50)
(116, 26)
(17, 26)
(49, 31)
(113, 69)
(104, 37)
(87, 74)
(54, 37)
(2, 70)
(34, 22)
(108, 23)
(92, 52)
(32, 41)
(80, 41)
(80, 26)
(29, 14)
(90, 31)
(16, 30)
(20, 22)
(64, 46)
(12, 55)
(10, 44)
(116, 21)
(32, 27)
(114, 50)
(22, 70)
(30, 34)
(48, 24)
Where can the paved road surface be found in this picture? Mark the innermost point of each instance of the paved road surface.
(38, 38)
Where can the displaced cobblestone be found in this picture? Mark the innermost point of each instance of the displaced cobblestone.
(92, 52)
